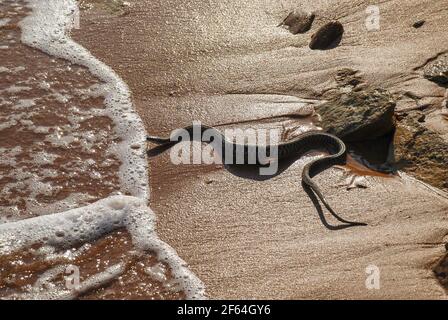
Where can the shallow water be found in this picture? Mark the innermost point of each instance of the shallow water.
(69, 137)
(55, 137)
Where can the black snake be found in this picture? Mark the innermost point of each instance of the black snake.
(305, 142)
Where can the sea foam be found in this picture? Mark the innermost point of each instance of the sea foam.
(70, 228)
(47, 29)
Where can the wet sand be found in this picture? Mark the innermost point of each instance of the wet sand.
(228, 65)
(222, 63)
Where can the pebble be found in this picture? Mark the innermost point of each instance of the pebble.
(421, 118)
(437, 70)
(298, 21)
(418, 24)
(327, 37)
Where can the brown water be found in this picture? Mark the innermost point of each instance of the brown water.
(22, 270)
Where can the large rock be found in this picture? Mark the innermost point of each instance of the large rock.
(358, 116)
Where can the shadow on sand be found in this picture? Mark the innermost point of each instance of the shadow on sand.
(252, 172)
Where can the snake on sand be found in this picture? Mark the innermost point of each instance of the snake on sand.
(305, 142)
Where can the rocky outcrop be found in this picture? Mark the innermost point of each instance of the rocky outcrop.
(358, 116)
(421, 152)
(327, 37)
(441, 270)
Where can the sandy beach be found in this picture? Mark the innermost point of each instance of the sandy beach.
(235, 234)
(263, 239)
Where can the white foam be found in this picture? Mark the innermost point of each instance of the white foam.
(18, 69)
(4, 22)
(46, 29)
(62, 98)
(17, 89)
(157, 272)
(25, 104)
(44, 158)
(64, 230)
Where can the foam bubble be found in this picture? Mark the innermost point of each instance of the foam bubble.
(25, 103)
(89, 223)
(157, 272)
(4, 22)
(17, 89)
(46, 29)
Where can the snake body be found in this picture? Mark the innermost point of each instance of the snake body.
(305, 142)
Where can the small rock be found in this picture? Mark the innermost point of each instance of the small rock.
(437, 70)
(421, 118)
(327, 37)
(298, 21)
(418, 24)
(400, 116)
(356, 182)
(446, 246)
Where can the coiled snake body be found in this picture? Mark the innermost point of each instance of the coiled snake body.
(305, 142)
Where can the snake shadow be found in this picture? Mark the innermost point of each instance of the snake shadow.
(252, 172)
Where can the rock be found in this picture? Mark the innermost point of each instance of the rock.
(346, 81)
(437, 70)
(298, 21)
(421, 118)
(418, 24)
(354, 182)
(421, 152)
(445, 101)
(348, 78)
(327, 37)
(359, 116)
